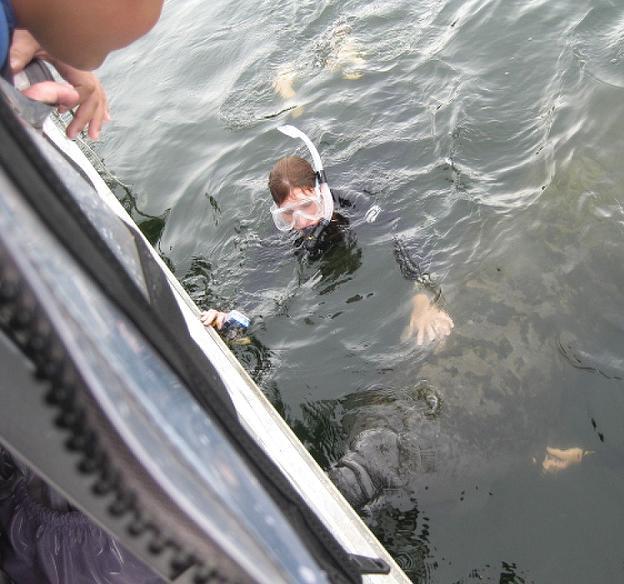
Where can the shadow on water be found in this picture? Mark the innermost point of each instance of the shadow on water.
(199, 282)
(406, 533)
(151, 226)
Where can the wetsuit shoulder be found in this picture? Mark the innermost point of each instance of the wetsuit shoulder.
(350, 199)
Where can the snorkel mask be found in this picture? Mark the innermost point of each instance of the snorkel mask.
(318, 207)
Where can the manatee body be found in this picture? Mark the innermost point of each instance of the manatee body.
(403, 441)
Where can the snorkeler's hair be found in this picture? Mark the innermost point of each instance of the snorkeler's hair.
(290, 173)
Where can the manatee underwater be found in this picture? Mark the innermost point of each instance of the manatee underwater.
(398, 441)
(470, 412)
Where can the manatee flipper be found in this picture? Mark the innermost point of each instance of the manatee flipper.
(283, 83)
(557, 459)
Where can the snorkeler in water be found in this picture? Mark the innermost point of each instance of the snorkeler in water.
(304, 204)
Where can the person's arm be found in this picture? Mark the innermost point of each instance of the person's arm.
(428, 322)
(82, 34)
(85, 90)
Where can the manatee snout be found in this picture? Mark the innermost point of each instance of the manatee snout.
(370, 466)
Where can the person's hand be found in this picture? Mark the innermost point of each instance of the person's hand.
(427, 323)
(93, 105)
(60, 95)
(91, 98)
(213, 318)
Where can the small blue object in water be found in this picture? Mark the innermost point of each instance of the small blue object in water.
(236, 320)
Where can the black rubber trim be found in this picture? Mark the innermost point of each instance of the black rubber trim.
(38, 71)
(321, 176)
(368, 565)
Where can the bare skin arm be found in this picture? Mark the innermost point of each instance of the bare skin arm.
(81, 34)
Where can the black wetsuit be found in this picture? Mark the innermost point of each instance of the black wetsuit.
(351, 211)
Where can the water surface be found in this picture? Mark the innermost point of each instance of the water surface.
(490, 133)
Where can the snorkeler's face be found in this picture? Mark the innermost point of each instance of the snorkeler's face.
(301, 209)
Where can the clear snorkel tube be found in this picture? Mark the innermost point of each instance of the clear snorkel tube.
(326, 194)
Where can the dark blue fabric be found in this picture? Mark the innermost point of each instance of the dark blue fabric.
(7, 24)
(45, 544)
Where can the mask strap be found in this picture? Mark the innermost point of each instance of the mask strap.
(321, 177)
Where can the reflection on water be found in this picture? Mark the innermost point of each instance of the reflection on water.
(490, 130)
(598, 44)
